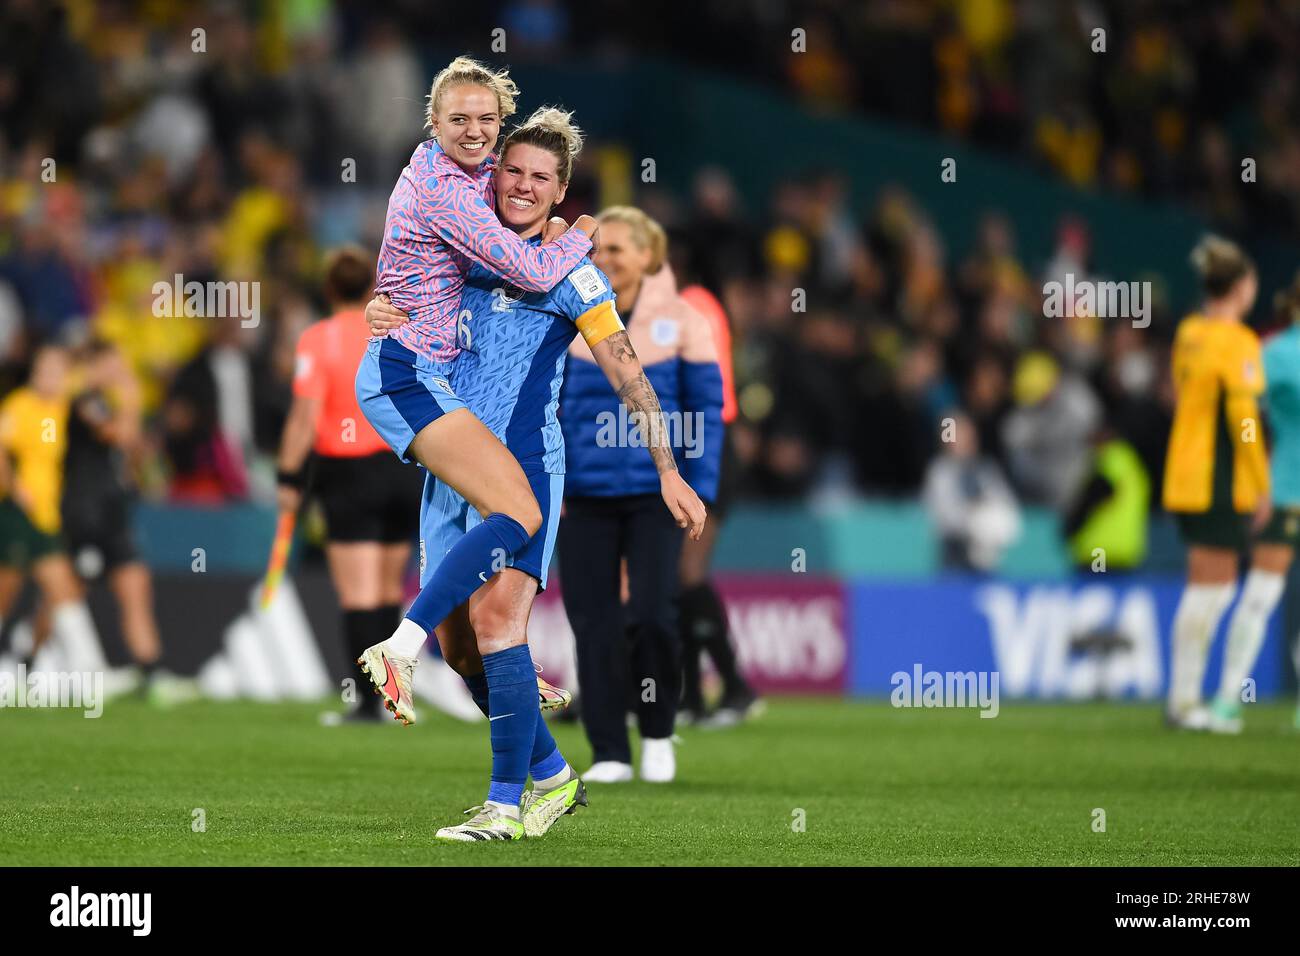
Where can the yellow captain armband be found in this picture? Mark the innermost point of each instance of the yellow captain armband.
(599, 323)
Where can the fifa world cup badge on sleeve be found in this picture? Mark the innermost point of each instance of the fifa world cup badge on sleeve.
(588, 282)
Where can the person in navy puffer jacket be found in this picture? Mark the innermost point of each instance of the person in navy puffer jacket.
(612, 511)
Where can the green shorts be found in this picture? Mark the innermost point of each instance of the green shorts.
(1283, 527)
(21, 542)
(1216, 528)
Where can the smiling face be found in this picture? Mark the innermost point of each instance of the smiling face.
(619, 257)
(50, 372)
(528, 187)
(467, 123)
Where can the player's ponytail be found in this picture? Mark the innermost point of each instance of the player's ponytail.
(646, 233)
(1221, 264)
(552, 129)
(466, 71)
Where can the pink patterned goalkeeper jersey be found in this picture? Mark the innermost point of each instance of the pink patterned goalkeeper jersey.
(440, 221)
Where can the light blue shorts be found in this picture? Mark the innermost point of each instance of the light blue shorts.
(445, 517)
(400, 392)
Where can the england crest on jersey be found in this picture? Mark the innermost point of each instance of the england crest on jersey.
(505, 297)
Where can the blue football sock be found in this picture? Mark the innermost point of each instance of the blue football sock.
(478, 689)
(546, 760)
(512, 716)
(483, 552)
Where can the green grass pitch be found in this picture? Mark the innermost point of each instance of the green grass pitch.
(875, 786)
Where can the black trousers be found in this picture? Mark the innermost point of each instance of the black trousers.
(618, 645)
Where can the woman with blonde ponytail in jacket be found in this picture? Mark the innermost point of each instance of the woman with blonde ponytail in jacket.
(611, 512)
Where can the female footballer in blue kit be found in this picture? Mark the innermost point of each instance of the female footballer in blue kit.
(440, 220)
(509, 372)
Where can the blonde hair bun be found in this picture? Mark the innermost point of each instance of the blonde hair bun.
(550, 128)
(1220, 263)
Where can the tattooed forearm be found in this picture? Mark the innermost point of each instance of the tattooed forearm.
(621, 347)
(624, 371)
(643, 404)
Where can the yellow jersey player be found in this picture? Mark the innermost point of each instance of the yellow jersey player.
(1270, 558)
(33, 425)
(1216, 471)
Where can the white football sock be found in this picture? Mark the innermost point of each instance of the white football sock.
(407, 640)
(551, 782)
(75, 629)
(504, 808)
(1246, 627)
(1199, 612)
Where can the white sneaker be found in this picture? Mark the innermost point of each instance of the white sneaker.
(608, 771)
(658, 761)
(1225, 717)
(120, 681)
(1194, 718)
(167, 690)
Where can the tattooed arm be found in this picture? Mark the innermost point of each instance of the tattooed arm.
(617, 359)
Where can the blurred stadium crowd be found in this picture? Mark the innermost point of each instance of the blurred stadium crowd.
(1181, 92)
(226, 166)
